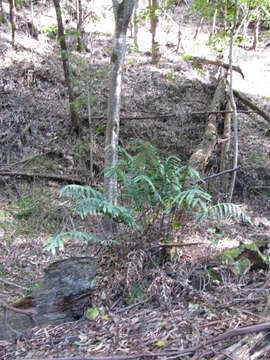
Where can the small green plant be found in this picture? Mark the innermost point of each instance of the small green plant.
(50, 30)
(133, 48)
(215, 235)
(171, 76)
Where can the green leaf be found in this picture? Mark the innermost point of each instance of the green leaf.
(92, 313)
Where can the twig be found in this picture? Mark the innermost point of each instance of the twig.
(131, 306)
(6, 282)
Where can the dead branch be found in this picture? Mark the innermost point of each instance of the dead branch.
(59, 178)
(12, 308)
(217, 63)
(241, 96)
(6, 282)
(168, 116)
(219, 174)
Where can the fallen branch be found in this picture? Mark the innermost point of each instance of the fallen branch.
(217, 63)
(59, 178)
(168, 116)
(14, 309)
(218, 174)
(252, 105)
(6, 282)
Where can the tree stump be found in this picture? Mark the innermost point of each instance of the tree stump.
(60, 296)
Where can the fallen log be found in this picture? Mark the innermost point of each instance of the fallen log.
(205, 61)
(252, 105)
(60, 296)
(204, 150)
(59, 178)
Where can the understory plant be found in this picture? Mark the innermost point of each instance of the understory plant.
(151, 189)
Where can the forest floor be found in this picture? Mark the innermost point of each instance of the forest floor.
(143, 308)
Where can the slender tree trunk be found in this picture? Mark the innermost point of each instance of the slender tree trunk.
(255, 34)
(64, 56)
(213, 28)
(79, 25)
(198, 30)
(225, 148)
(122, 13)
(3, 19)
(91, 129)
(12, 21)
(234, 114)
(154, 24)
(32, 18)
(135, 23)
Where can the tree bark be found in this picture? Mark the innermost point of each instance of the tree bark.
(64, 56)
(60, 296)
(122, 13)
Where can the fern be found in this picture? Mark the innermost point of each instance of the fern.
(223, 211)
(55, 243)
(146, 182)
(89, 201)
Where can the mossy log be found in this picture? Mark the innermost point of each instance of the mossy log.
(60, 296)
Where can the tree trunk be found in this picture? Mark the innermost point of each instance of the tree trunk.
(12, 21)
(64, 56)
(135, 24)
(255, 34)
(60, 296)
(3, 19)
(225, 148)
(154, 24)
(204, 150)
(234, 114)
(213, 28)
(79, 25)
(122, 13)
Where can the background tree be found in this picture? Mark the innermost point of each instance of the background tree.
(154, 6)
(79, 24)
(12, 21)
(64, 56)
(2, 16)
(122, 14)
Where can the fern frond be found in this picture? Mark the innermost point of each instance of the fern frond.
(56, 242)
(225, 210)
